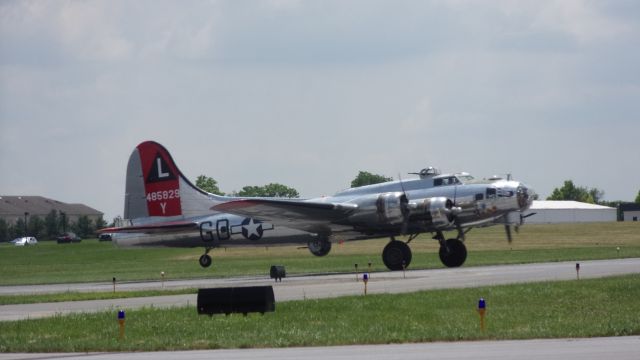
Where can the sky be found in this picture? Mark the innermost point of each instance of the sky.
(308, 93)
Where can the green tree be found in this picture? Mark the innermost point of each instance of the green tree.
(638, 198)
(208, 184)
(64, 223)
(569, 191)
(83, 226)
(597, 195)
(18, 228)
(269, 190)
(51, 223)
(367, 178)
(4, 230)
(36, 227)
(100, 223)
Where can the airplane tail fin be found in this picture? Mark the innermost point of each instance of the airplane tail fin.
(155, 187)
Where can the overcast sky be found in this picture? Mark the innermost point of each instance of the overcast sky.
(307, 93)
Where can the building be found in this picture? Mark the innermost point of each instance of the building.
(630, 211)
(13, 208)
(554, 212)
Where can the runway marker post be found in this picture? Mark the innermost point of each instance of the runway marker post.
(356, 266)
(578, 270)
(618, 250)
(121, 323)
(365, 280)
(162, 275)
(114, 285)
(482, 309)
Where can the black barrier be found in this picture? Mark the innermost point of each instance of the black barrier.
(236, 300)
(277, 272)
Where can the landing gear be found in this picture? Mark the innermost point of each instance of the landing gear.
(205, 260)
(319, 246)
(452, 253)
(396, 255)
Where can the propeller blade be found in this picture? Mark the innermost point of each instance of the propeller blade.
(406, 212)
(507, 229)
(461, 233)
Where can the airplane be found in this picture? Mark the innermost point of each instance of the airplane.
(163, 208)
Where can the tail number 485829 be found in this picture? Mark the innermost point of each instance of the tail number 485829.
(163, 195)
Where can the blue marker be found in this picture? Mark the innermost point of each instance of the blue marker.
(482, 308)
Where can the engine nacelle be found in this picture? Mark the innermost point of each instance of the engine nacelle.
(391, 208)
(382, 209)
(439, 211)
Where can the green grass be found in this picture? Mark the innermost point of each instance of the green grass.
(81, 296)
(585, 308)
(91, 260)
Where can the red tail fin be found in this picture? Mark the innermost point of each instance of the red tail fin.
(161, 180)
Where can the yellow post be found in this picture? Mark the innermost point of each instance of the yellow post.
(121, 322)
(365, 279)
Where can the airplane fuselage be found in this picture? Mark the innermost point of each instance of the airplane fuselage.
(165, 209)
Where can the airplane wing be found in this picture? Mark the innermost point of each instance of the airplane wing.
(154, 228)
(307, 216)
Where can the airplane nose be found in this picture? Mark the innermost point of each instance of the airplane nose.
(525, 196)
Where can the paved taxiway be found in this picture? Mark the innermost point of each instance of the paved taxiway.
(320, 286)
(619, 348)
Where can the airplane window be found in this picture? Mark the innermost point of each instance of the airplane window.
(479, 197)
(437, 182)
(491, 193)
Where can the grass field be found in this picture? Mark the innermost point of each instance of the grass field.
(91, 260)
(585, 308)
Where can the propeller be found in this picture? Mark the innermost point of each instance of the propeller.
(456, 219)
(404, 208)
(507, 229)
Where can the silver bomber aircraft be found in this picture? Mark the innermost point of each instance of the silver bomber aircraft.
(163, 208)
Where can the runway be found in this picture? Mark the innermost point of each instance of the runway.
(619, 348)
(318, 286)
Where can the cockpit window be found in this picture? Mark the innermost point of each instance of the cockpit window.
(465, 178)
(491, 193)
(450, 180)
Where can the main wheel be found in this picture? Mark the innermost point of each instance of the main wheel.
(396, 255)
(454, 253)
(320, 246)
(205, 261)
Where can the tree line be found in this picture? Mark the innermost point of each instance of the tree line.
(570, 191)
(278, 190)
(48, 228)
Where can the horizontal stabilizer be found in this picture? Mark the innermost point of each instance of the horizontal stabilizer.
(155, 228)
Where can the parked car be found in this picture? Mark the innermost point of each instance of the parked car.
(24, 241)
(104, 237)
(67, 238)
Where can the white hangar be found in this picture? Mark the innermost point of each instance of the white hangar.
(553, 212)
